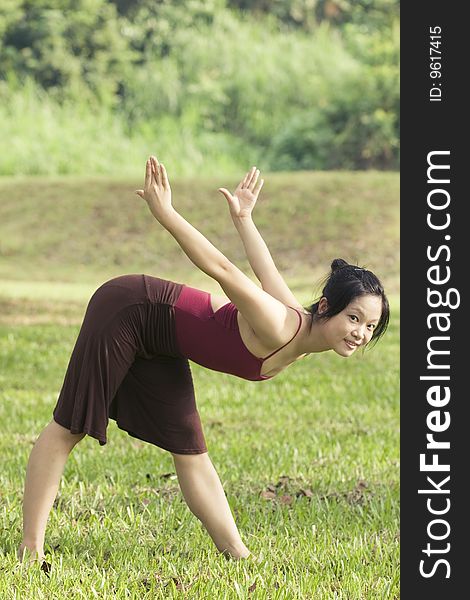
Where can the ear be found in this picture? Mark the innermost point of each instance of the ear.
(322, 305)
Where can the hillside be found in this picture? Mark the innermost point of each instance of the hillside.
(82, 231)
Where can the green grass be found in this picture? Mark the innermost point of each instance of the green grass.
(327, 426)
(119, 526)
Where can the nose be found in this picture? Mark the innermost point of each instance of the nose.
(358, 333)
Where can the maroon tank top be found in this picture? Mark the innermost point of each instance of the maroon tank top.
(212, 339)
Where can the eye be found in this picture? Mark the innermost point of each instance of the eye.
(372, 326)
(354, 318)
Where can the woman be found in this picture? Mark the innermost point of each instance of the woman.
(130, 360)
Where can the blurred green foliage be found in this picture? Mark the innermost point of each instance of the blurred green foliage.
(302, 84)
(307, 14)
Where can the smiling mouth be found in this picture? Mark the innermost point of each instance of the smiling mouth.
(351, 344)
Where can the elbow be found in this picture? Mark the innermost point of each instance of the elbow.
(224, 271)
(225, 267)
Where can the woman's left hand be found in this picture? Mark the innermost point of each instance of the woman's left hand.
(243, 199)
(157, 192)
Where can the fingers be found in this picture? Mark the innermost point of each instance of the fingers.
(254, 179)
(248, 177)
(140, 193)
(156, 170)
(148, 173)
(251, 178)
(159, 174)
(257, 189)
(164, 177)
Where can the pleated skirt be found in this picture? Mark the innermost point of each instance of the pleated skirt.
(126, 366)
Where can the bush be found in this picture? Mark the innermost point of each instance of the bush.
(355, 125)
(197, 80)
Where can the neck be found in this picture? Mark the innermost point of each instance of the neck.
(310, 338)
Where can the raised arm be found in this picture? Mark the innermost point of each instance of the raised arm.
(268, 317)
(241, 204)
(157, 194)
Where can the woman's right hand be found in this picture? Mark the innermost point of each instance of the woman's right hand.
(243, 199)
(157, 191)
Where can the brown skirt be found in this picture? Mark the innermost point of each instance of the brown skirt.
(126, 366)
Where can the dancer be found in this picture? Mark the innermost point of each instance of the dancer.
(130, 360)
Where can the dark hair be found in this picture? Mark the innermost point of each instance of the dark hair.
(342, 285)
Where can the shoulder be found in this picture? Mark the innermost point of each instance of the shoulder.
(266, 315)
(261, 346)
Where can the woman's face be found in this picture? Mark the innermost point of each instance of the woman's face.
(354, 326)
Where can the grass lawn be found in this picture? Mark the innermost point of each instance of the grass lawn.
(309, 460)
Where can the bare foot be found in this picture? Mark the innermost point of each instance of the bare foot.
(244, 554)
(30, 555)
(253, 558)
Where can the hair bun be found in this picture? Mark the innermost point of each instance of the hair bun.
(338, 263)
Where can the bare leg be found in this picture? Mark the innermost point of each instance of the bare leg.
(45, 467)
(204, 494)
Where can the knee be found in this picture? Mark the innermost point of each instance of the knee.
(190, 460)
(63, 434)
